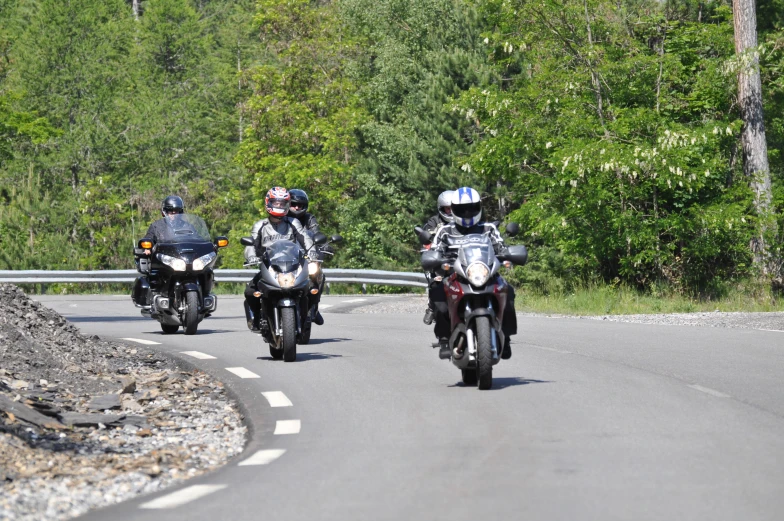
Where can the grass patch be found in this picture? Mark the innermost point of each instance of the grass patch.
(596, 299)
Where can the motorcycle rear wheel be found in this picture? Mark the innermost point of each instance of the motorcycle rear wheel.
(289, 323)
(484, 353)
(469, 376)
(190, 317)
(169, 329)
(275, 353)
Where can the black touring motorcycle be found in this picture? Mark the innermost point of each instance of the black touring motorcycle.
(285, 278)
(175, 286)
(476, 295)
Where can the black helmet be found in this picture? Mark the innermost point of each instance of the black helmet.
(172, 204)
(299, 202)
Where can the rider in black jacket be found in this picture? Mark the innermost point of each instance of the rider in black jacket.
(299, 210)
(432, 226)
(467, 215)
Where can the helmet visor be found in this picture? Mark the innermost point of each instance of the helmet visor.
(466, 211)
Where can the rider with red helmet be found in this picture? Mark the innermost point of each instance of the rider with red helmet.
(277, 226)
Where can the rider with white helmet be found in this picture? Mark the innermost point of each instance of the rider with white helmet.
(467, 219)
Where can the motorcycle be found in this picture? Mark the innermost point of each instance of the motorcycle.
(282, 286)
(175, 286)
(476, 296)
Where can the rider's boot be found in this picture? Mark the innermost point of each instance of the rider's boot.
(429, 314)
(317, 318)
(506, 354)
(444, 353)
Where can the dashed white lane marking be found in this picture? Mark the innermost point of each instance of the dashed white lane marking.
(353, 300)
(181, 497)
(277, 399)
(325, 306)
(242, 372)
(554, 350)
(708, 390)
(774, 330)
(198, 354)
(287, 427)
(142, 341)
(263, 457)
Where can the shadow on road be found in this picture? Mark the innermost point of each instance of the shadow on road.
(315, 341)
(305, 357)
(503, 383)
(199, 332)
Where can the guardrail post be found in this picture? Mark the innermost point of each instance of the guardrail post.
(364, 289)
(327, 291)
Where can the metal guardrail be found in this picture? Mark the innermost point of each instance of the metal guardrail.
(334, 276)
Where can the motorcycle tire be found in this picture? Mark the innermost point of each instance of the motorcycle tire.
(275, 353)
(169, 329)
(484, 353)
(289, 323)
(469, 376)
(190, 317)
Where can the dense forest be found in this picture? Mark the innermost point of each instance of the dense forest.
(609, 129)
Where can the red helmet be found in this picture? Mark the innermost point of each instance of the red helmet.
(277, 202)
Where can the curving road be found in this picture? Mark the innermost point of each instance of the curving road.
(588, 421)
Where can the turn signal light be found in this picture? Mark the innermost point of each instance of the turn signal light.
(257, 293)
(507, 264)
(222, 243)
(314, 291)
(145, 245)
(446, 266)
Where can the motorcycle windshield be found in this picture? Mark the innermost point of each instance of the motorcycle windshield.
(476, 252)
(186, 227)
(284, 256)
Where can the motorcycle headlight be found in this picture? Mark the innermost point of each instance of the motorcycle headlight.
(478, 273)
(203, 261)
(173, 262)
(314, 268)
(286, 280)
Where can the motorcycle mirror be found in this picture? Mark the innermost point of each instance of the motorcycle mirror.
(512, 229)
(424, 236)
(320, 239)
(431, 260)
(221, 241)
(246, 241)
(336, 238)
(518, 255)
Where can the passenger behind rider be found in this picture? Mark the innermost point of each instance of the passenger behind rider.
(442, 218)
(299, 211)
(467, 215)
(277, 226)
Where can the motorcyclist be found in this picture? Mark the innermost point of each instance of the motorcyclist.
(277, 226)
(442, 218)
(467, 215)
(299, 211)
(160, 230)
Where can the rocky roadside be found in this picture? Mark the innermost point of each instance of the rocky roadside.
(85, 423)
(416, 304)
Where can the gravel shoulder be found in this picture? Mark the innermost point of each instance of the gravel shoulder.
(416, 304)
(86, 423)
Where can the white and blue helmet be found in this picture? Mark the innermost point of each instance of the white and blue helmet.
(466, 207)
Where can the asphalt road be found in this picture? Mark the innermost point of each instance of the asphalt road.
(588, 421)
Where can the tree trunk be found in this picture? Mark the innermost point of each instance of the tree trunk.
(755, 150)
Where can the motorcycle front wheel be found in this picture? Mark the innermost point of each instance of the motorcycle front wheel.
(484, 353)
(289, 323)
(190, 317)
